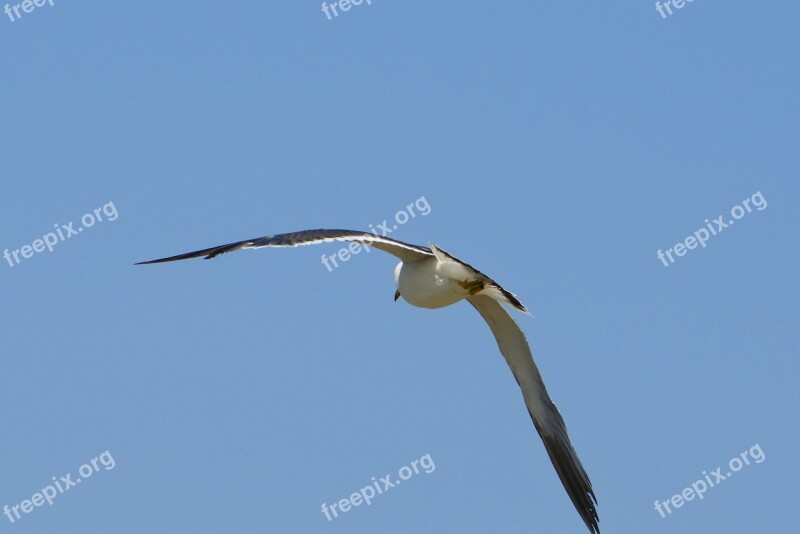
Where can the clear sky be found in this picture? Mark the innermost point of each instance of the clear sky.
(557, 148)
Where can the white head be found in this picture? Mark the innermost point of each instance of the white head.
(397, 280)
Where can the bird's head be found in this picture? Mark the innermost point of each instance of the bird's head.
(397, 280)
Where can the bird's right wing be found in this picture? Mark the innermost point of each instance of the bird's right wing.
(515, 349)
(405, 251)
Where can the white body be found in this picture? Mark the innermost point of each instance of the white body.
(429, 283)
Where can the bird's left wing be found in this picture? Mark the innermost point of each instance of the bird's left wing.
(405, 251)
(515, 349)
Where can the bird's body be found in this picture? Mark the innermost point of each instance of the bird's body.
(421, 284)
(430, 283)
(432, 278)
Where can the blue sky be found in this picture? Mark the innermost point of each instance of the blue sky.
(558, 147)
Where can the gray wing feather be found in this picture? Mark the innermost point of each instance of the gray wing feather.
(546, 418)
(404, 251)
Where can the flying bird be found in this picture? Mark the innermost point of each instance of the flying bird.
(433, 278)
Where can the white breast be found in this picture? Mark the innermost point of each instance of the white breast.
(429, 284)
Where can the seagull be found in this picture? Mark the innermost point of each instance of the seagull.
(432, 278)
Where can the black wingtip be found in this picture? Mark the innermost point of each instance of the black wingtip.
(162, 260)
(569, 469)
(206, 253)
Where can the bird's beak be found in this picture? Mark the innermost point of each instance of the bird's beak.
(396, 295)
